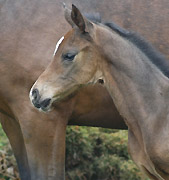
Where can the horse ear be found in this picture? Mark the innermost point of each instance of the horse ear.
(81, 22)
(78, 18)
(68, 18)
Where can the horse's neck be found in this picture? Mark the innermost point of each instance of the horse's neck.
(138, 88)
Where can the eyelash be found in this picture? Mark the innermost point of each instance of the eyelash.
(69, 56)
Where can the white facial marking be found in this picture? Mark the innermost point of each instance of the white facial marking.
(57, 45)
(30, 94)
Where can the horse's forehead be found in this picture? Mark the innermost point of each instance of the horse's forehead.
(69, 38)
(72, 37)
(58, 44)
(69, 34)
(62, 40)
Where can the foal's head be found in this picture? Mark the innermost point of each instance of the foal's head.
(74, 64)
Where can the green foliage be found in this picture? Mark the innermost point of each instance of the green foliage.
(8, 167)
(3, 139)
(95, 153)
(91, 154)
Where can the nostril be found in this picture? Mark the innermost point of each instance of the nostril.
(101, 81)
(36, 104)
(45, 103)
(35, 94)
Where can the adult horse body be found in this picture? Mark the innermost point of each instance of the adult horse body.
(38, 141)
(136, 76)
(28, 34)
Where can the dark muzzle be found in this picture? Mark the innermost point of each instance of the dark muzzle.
(37, 102)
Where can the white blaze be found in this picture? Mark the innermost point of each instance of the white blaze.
(57, 45)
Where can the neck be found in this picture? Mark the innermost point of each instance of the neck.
(135, 84)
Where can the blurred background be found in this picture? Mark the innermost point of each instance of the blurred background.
(91, 154)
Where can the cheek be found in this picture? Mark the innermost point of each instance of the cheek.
(85, 68)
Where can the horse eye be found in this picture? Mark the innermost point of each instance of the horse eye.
(69, 56)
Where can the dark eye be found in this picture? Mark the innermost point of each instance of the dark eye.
(69, 56)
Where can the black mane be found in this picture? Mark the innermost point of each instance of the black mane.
(155, 57)
(94, 17)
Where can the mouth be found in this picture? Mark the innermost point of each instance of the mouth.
(45, 110)
(42, 108)
(66, 94)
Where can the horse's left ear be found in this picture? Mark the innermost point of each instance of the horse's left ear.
(81, 22)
